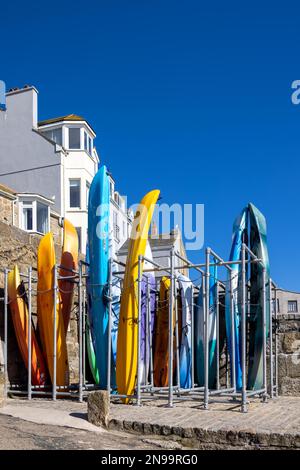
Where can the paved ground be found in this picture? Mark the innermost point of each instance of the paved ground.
(63, 424)
(18, 434)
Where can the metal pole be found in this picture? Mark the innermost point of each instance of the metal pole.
(244, 391)
(232, 316)
(271, 340)
(138, 400)
(192, 338)
(109, 348)
(83, 336)
(276, 343)
(264, 335)
(29, 333)
(80, 333)
(171, 308)
(149, 330)
(218, 335)
(177, 335)
(206, 333)
(5, 331)
(54, 331)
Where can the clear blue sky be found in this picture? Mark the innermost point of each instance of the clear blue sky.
(190, 97)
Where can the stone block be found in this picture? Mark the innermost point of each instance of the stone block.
(98, 408)
(291, 342)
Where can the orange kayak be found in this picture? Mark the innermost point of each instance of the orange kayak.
(69, 260)
(46, 263)
(161, 335)
(19, 313)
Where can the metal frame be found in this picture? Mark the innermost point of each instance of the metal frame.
(147, 390)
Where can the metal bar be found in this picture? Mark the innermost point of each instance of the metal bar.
(139, 324)
(109, 347)
(5, 332)
(244, 385)
(206, 333)
(171, 308)
(177, 335)
(217, 257)
(271, 340)
(192, 337)
(225, 263)
(218, 336)
(232, 318)
(149, 330)
(83, 337)
(185, 260)
(55, 287)
(29, 333)
(264, 334)
(80, 333)
(276, 342)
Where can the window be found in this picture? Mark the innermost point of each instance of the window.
(116, 226)
(87, 190)
(292, 306)
(27, 223)
(55, 135)
(42, 218)
(75, 193)
(74, 138)
(78, 230)
(87, 143)
(34, 216)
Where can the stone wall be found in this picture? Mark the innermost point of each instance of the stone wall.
(289, 354)
(8, 209)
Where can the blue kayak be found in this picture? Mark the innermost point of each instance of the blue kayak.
(98, 239)
(258, 245)
(212, 332)
(239, 236)
(185, 356)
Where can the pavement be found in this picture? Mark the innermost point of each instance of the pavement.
(63, 424)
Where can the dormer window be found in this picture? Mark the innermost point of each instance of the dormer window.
(74, 138)
(55, 135)
(87, 143)
(34, 213)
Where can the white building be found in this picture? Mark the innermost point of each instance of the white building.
(51, 164)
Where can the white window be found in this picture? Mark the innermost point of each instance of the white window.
(87, 143)
(27, 216)
(42, 222)
(35, 216)
(78, 230)
(87, 191)
(292, 306)
(75, 193)
(55, 135)
(116, 226)
(74, 138)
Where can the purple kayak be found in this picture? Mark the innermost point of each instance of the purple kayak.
(147, 325)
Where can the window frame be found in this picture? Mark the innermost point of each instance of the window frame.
(80, 203)
(78, 128)
(295, 304)
(32, 203)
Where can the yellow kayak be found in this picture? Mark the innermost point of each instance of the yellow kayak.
(69, 260)
(127, 345)
(46, 263)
